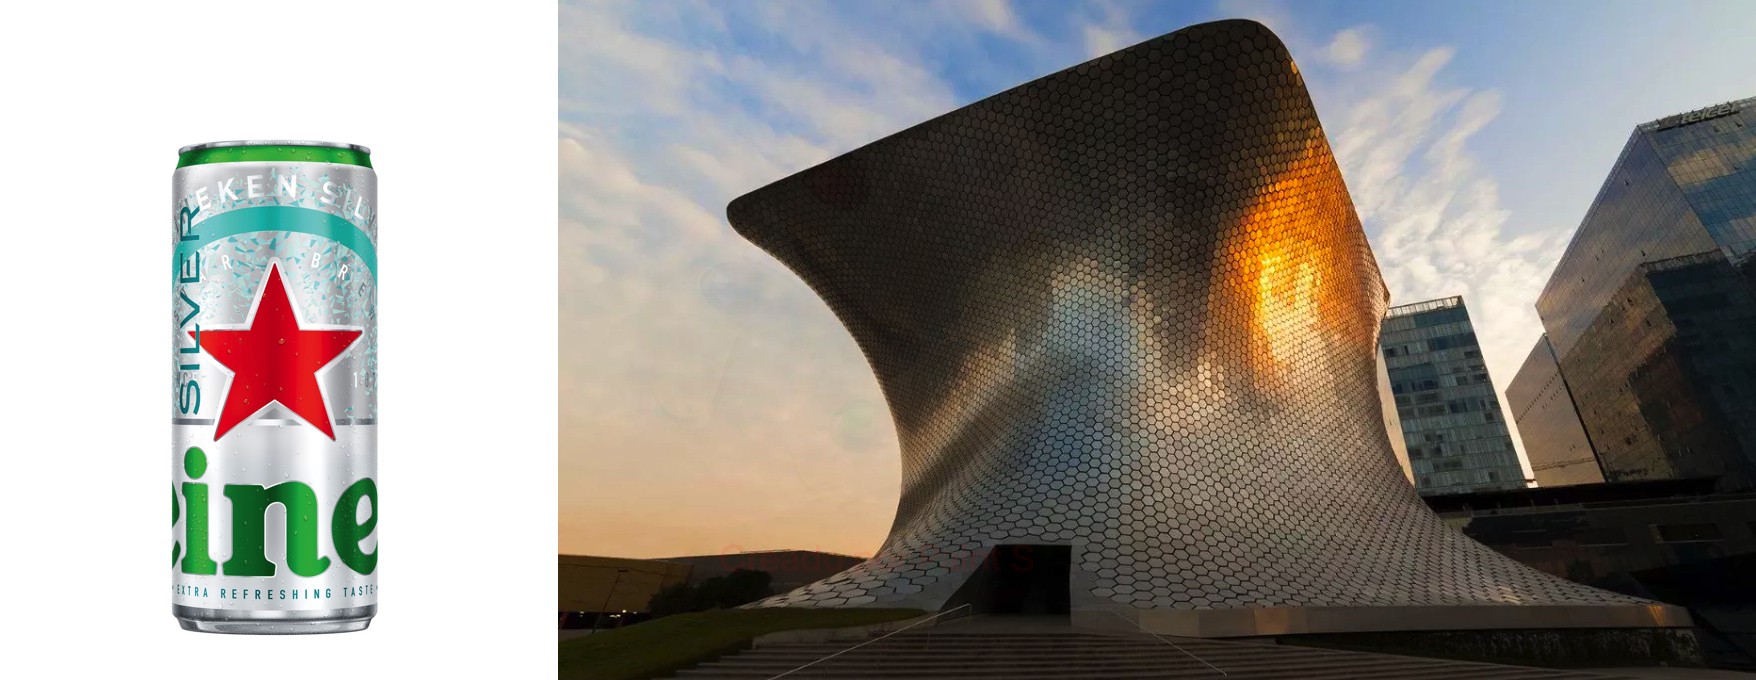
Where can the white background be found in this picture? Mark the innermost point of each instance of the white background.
(457, 103)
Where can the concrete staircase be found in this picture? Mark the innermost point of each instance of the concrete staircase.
(967, 654)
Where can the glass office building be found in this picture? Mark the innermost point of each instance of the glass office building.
(1555, 441)
(1451, 422)
(1651, 311)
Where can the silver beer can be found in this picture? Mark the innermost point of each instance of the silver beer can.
(274, 409)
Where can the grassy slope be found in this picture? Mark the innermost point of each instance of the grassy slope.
(663, 646)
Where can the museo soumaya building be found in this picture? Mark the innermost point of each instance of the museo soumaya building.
(1126, 321)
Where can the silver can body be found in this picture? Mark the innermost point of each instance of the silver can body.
(274, 397)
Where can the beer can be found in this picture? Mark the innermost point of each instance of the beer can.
(274, 336)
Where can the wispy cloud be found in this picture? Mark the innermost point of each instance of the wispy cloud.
(1348, 48)
(996, 16)
(1434, 214)
(1110, 28)
(1403, 137)
(693, 365)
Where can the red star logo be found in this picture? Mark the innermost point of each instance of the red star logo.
(274, 360)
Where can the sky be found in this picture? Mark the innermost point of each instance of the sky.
(710, 402)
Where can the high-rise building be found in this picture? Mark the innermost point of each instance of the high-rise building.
(1451, 422)
(1651, 312)
(1548, 422)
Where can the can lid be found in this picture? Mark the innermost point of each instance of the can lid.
(270, 150)
(271, 142)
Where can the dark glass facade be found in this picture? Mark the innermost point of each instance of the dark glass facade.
(1560, 453)
(1451, 422)
(1639, 216)
(1676, 541)
(1651, 313)
(1713, 163)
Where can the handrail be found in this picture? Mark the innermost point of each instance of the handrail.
(1178, 647)
(899, 630)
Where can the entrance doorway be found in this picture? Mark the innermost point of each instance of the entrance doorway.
(1019, 579)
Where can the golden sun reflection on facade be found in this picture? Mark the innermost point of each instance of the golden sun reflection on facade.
(1287, 249)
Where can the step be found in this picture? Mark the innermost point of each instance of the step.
(881, 650)
(981, 663)
(1065, 656)
(904, 670)
(863, 656)
(824, 650)
(1139, 660)
(1042, 645)
(1422, 672)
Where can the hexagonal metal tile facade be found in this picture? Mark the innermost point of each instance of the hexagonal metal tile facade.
(1129, 307)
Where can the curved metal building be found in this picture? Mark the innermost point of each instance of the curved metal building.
(1126, 313)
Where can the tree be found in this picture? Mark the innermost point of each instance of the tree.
(675, 599)
(740, 587)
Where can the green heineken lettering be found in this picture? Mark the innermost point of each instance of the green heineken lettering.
(250, 505)
(196, 561)
(176, 512)
(348, 532)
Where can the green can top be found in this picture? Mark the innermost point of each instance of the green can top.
(274, 150)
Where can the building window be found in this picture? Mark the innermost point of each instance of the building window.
(1530, 538)
(1602, 536)
(1687, 533)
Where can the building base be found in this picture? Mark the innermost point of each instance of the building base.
(1552, 648)
(1284, 621)
(1554, 636)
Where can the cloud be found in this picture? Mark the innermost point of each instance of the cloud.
(1432, 212)
(995, 16)
(1266, 12)
(1100, 41)
(1108, 31)
(694, 367)
(1348, 48)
